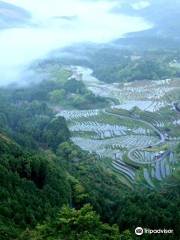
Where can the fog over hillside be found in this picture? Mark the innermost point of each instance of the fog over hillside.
(89, 119)
(55, 24)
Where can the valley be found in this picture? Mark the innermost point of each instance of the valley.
(89, 119)
(131, 135)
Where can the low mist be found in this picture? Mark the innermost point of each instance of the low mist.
(56, 24)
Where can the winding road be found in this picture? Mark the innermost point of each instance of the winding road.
(93, 84)
(161, 136)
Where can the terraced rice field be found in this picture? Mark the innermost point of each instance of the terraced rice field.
(159, 168)
(147, 95)
(69, 115)
(109, 136)
(127, 142)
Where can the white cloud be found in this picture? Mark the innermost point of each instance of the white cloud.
(141, 5)
(93, 23)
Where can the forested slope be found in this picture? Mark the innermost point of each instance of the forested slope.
(41, 170)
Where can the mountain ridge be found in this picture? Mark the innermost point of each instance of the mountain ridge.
(12, 15)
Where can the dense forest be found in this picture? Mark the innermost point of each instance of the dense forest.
(128, 59)
(50, 188)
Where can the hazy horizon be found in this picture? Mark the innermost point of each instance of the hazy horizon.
(56, 24)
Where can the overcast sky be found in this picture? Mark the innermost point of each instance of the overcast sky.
(91, 21)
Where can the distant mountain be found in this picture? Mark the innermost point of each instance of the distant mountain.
(165, 17)
(12, 16)
(164, 14)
